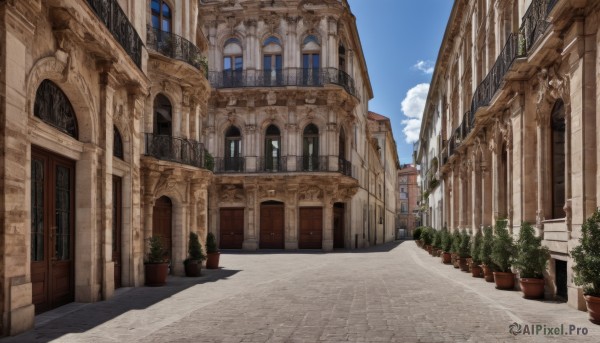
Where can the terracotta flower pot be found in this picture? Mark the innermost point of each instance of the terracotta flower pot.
(593, 307)
(504, 280)
(446, 258)
(487, 273)
(476, 270)
(430, 249)
(156, 274)
(192, 268)
(438, 252)
(462, 263)
(212, 260)
(532, 288)
(455, 262)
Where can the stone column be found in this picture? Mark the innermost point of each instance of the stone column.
(332, 40)
(291, 55)
(251, 236)
(291, 217)
(496, 150)
(476, 203)
(328, 219)
(462, 196)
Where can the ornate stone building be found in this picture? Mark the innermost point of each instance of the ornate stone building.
(407, 203)
(513, 112)
(101, 111)
(287, 125)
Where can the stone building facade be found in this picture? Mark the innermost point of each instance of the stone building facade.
(101, 112)
(407, 203)
(513, 110)
(287, 125)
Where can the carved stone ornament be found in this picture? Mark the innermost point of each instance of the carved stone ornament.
(552, 85)
(271, 98)
(311, 193)
(232, 193)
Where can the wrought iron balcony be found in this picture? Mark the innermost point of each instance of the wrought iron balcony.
(272, 164)
(280, 165)
(115, 20)
(173, 149)
(176, 47)
(298, 77)
(534, 21)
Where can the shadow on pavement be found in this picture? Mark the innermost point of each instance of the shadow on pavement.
(376, 249)
(83, 317)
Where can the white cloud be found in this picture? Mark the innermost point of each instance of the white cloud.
(412, 107)
(424, 66)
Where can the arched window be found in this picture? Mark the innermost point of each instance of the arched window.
(233, 150)
(117, 143)
(310, 148)
(54, 108)
(558, 159)
(272, 148)
(342, 144)
(272, 61)
(311, 60)
(162, 116)
(233, 62)
(161, 15)
(342, 58)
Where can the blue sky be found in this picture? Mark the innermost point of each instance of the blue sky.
(400, 40)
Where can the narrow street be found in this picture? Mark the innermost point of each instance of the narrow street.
(392, 293)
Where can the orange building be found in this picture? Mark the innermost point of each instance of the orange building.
(408, 195)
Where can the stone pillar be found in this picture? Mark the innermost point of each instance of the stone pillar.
(291, 217)
(291, 55)
(332, 41)
(476, 203)
(496, 150)
(251, 234)
(250, 152)
(486, 189)
(462, 196)
(328, 220)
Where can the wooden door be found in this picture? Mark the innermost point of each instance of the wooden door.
(232, 228)
(116, 228)
(311, 228)
(271, 226)
(162, 218)
(52, 229)
(338, 227)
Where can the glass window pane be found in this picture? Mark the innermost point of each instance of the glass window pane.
(155, 6)
(315, 61)
(155, 22)
(239, 63)
(267, 62)
(305, 61)
(227, 63)
(166, 11)
(166, 25)
(278, 62)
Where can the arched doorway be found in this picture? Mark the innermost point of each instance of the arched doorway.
(338, 226)
(271, 225)
(162, 219)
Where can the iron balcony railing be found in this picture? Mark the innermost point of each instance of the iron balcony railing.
(174, 46)
(115, 20)
(280, 165)
(299, 77)
(173, 149)
(272, 164)
(534, 25)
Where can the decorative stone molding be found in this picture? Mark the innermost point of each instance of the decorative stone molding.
(271, 98)
(552, 85)
(231, 193)
(311, 193)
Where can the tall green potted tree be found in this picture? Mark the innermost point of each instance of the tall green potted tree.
(464, 250)
(212, 251)
(503, 251)
(455, 248)
(193, 264)
(427, 237)
(417, 236)
(156, 266)
(587, 265)
(530, 260)
(485, 254)
(446, 246)
(476, 255)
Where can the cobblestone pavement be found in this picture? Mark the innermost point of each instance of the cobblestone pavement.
(391, 293)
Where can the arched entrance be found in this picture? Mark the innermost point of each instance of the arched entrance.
(162, 219)
(271, 225)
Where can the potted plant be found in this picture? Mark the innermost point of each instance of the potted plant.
(502, 255)
(485, 254)
(455, 248)
(446, 246)
(476, 255)
(530, 260)
(193, 264)
(464, 250)
(417, 236)
(427, 237)
(587, 265)
(437, 242)
(212, 251)
(156, 266)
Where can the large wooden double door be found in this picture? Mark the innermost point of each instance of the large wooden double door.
(162, 218)
(311, 228)
(271, 225)
(231, 228)
(52, 229)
